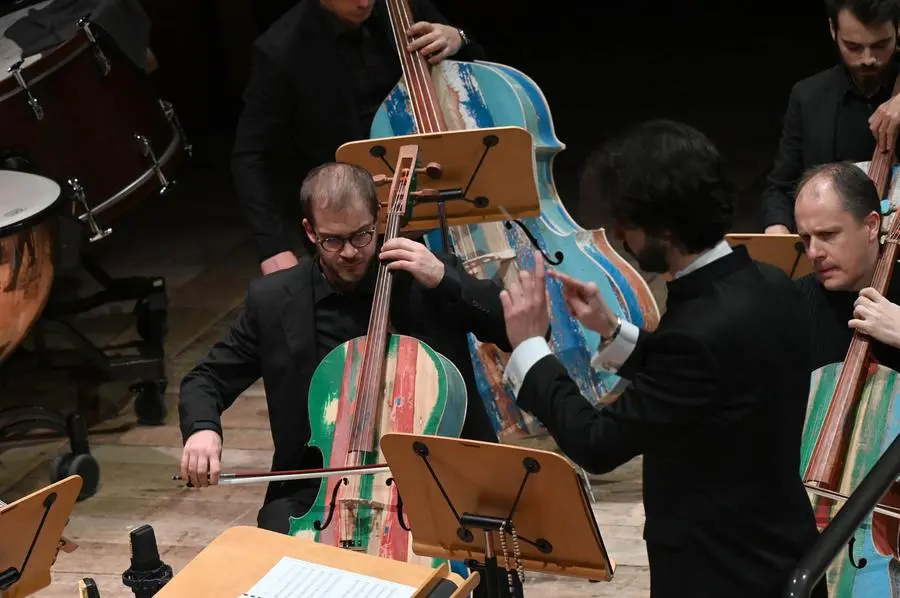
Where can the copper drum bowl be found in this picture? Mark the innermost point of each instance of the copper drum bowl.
(28, 229)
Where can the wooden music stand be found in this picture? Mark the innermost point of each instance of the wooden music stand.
(486, 175)
(30, 532)
(240, 556)
(783, 251)
(489, 484)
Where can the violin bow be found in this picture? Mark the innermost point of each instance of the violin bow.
(879, 508)
(254, 477)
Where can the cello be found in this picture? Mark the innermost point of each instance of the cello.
(367, 387)
(852, 418)
(463, 95)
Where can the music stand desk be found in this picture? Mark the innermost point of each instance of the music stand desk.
(494, 166)
(785, 252)
(21, 525)
(490, 484)
(240, 556)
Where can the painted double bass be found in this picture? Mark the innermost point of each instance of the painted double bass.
(852, 417)
(462, 95)
(368, 387)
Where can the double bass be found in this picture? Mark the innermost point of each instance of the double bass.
(365, 388)
(456, 95)
(852, 418)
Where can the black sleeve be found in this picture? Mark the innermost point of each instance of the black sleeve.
(473, 302)
(262, 132)
(424, 10)
(669, 392)
(778, 198)
(229, 368)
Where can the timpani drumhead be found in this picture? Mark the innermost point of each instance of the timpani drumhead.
(24, 197)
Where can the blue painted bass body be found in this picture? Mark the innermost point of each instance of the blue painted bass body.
(483, 95)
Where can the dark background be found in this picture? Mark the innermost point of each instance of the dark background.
(724, 67)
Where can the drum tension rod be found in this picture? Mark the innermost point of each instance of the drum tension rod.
(169, 110)
(147, 151)
(32, 101)
(88, 213)
(85, 25)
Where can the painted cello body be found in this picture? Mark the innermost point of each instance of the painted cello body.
(429, 397)
(478, 95)
(873, 425)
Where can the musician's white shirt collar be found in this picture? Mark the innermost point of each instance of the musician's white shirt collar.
(721, 249)
(611, 358)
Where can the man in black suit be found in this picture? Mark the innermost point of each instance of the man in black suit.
(294, 317)
(717, 396)
(842, 113)
(319, 75)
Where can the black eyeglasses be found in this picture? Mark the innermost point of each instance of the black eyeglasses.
(359, 240)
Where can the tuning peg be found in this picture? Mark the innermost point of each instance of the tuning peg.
(432, 170)
(381, 179)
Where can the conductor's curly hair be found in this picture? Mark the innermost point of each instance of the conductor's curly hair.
(665, 178)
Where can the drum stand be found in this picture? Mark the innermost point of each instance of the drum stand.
(145, 365)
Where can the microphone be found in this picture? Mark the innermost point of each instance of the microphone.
(147, 574)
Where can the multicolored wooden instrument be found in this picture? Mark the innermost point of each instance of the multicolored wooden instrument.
(460, 95)
(363, 389)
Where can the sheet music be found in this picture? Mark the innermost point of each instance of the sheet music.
(293, 578)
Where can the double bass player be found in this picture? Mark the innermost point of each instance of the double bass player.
(319, 75)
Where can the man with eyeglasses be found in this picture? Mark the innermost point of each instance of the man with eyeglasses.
(293, 318)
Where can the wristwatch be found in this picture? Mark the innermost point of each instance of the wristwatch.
(605, 342)
(463, 37)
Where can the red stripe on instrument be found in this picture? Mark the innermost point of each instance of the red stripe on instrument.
(340, 446)
(395, 540)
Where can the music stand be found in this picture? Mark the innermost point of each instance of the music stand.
(782, 251)
(457, 493)
(485, 175)
(32, 528)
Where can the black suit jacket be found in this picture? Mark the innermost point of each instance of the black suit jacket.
(299, 110)
(274, 337)
(809, 138)
(716, 406)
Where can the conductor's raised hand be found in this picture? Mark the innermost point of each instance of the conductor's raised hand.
(401, 253)
(587, 305)
(525, 305)
(201, 459)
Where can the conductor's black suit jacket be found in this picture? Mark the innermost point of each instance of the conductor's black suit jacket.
(274, 337)
(299, 108)
(716, 405)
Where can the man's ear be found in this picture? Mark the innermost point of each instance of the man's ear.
(873, 224)
(310, 234)
(832, 29)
